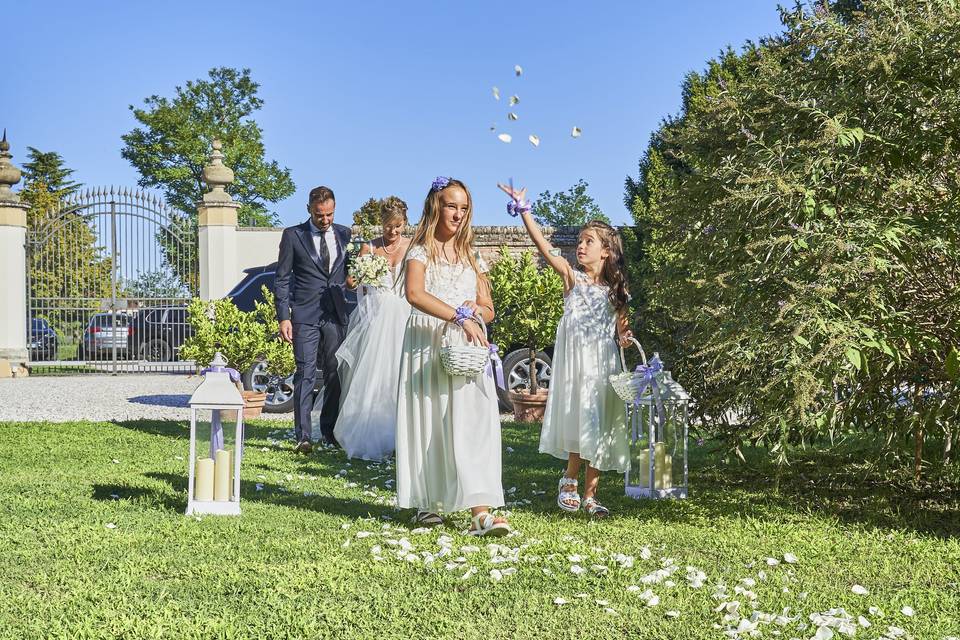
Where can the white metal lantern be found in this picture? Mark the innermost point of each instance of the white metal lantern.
(214, 482)
(659, 417)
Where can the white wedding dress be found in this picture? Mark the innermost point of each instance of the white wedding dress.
(369, 364)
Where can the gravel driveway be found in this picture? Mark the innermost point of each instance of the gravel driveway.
(100, 398)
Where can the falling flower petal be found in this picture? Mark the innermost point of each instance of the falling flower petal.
(514, 100)
(505, 137)
(496, 93)
(534, 140)
(512, 116)
(517, 69)
(576, 133)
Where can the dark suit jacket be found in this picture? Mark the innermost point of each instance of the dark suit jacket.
(306, 291)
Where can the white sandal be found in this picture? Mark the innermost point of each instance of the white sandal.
(571, 496)
(483, 524)
(594, 508)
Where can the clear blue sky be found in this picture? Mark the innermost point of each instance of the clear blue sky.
(376, 98)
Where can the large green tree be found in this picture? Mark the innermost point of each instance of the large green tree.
(796, 228)
(47, 167)
(172, 145)
(570, 208)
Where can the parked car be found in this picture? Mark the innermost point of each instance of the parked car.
(245, 295)
(43, 340)
(105, 332)
(156, 334)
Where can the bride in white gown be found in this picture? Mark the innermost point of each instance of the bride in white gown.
(369, 358)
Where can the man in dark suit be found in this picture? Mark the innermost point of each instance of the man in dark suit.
(311, 307)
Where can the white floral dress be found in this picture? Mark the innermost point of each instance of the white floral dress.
(448, 427)
(584, 414)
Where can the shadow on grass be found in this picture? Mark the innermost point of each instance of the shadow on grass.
(180, 429)
(843, 485)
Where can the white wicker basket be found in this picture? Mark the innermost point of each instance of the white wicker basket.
(463, 359)
(629, 383)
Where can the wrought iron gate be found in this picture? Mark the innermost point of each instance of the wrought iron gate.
(109, 274)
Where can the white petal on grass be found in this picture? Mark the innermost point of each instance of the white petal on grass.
(654, 601)
(823, 633)
(110, 525)
(114, 496)
(860, 590)
(907, 611)
(496, 93)
(789, 558)
(534, 140)
(577, 570)
(610, 611)
(496, 575)
(559, 602)
(772, 562)
(633, 588)
(514, 100)
(875, 611)
(576, 133)
(469, 573)
(863, 622)
(582, 596)
(517, 69)
(602, 603)
(115, 461)
(575, 558)
(364, 534)
(505, 137)
(645, 553)
(672, 613)
(512, 116)
(599, 569)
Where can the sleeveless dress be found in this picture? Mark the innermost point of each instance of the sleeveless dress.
(448, 427)
(584, 414)
(368, 362)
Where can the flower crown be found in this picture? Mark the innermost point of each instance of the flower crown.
(440, 183)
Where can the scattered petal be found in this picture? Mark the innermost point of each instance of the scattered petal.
(576, 133)
(115, 461)
(654, 601)
(577, 570)
(110, 525)
(772, 562)
(496, 575)
(610, 611)
(582, 596)
(114, 496)
(907, 611)
(859, 590)
(534, 140)
(517, 69)
(505, 137)
(863, 622)
(512, 116)
(789, 558)
(672, 613)
(602, 603)
(575, 558)
(559, 602)
(514, 100)
(496, 93)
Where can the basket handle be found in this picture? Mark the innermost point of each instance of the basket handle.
(445, 341)
(643, 356)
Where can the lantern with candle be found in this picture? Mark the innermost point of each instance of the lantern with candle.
(214, 482)
(658, 416)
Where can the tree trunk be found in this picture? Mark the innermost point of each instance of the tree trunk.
(534, 383)
(947, 444)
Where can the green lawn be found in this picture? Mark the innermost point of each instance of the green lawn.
(297, 563)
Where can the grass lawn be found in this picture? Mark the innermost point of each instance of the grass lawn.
(94, 545)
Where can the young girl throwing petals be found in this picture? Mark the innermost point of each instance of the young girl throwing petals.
(448, 427)
(585, 420)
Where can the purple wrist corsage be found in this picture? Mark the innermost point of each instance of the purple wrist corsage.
(463, 314)
(518, 207)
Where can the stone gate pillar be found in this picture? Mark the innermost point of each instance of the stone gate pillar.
(217, 222)
(13, 270)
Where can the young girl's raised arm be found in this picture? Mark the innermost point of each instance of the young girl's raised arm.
(559, 264)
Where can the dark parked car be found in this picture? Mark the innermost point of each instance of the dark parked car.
(245, 295)
(43, 340)
(156, 334)
(105, 333)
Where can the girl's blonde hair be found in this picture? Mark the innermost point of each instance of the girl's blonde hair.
(614, 272)
(426, 230)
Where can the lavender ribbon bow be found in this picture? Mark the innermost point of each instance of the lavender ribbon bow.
(495, 365)
(517, 207)
(216, 425)
(649, 380)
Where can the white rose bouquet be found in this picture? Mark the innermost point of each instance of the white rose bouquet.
(369, 269)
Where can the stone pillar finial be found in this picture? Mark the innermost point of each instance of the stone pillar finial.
(217, 176)
(9, 174)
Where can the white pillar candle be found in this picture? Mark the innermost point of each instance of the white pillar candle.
(221, 481)
(203, 486)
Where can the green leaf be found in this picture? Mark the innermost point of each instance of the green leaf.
(855, 357)
(953, 365)
(801, 340)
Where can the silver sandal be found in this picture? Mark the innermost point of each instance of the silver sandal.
(571, 496)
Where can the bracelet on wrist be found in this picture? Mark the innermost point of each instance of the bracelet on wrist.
(462, 315)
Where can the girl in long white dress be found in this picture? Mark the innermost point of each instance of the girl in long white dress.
(585, 420)
(369, 357)
(448, 427)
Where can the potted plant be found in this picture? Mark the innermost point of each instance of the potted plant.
(529, 303)
(241, 337)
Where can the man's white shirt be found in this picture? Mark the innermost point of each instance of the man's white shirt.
(327, 236)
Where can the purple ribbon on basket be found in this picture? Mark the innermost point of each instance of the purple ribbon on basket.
(495, 365)
(216, 425)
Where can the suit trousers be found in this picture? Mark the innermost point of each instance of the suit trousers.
(315, 346)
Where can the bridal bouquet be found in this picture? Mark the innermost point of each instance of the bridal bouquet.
(369, 269)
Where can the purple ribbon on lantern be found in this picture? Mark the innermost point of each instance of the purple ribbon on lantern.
(495, 365)
(216, 425)
(649, 380)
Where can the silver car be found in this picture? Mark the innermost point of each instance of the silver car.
(104, 332)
